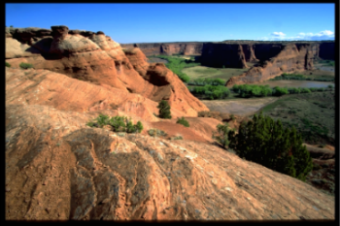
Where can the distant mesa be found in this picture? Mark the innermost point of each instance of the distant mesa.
(271, 58)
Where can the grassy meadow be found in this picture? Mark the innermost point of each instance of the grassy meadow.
(209, 72)
(313, 114)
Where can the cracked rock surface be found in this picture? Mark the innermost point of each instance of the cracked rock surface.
(77, 172)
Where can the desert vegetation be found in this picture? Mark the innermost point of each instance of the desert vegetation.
(199, 72)
(246, 90)
(164, 110)
(117, 124)
(327, 62)
(176, 64)
(207, 81)
(183, 122)
(312, 114)
(216, 115)
(7, 64)
(222, 134)
(210, 92)
(265, 141)
(25, 65)
(214, 92)
(321, 78)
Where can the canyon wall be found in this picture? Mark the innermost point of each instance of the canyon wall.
(212, 52)
(292, 57)
(182, 48)
(271, 58)
(220, 54)
(327, 50)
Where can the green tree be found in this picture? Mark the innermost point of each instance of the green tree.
(279, 91)
(305, 90)
(264, 141)
(236, 88)
(7, 64)
(164, 109)
(218, 82)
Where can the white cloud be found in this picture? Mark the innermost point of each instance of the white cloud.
(278, 34)
(322, 35)
(326, 32)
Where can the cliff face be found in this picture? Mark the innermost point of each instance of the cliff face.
(327, 50)
(220, 54)
(183, 48)
(292, 57)
(266, 51)
(249, 53)
(96, 58)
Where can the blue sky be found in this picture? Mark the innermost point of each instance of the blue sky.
(138, 23)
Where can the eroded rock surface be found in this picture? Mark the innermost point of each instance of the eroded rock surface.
(61, 169)
(96, 58)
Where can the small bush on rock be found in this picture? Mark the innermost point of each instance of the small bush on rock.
(26, 66)
(183, 122)
(118, 124)
(102, 120)
(7, 65)
(157, 132)
(222, 136)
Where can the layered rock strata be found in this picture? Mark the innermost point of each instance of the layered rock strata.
(96, 58)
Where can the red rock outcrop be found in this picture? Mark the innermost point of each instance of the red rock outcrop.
(59, 169)
(97, 59)
(293, 57)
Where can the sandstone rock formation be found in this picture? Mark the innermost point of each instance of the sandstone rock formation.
(57, 169)
(293, 57)
(182, 48)
(95, 58)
